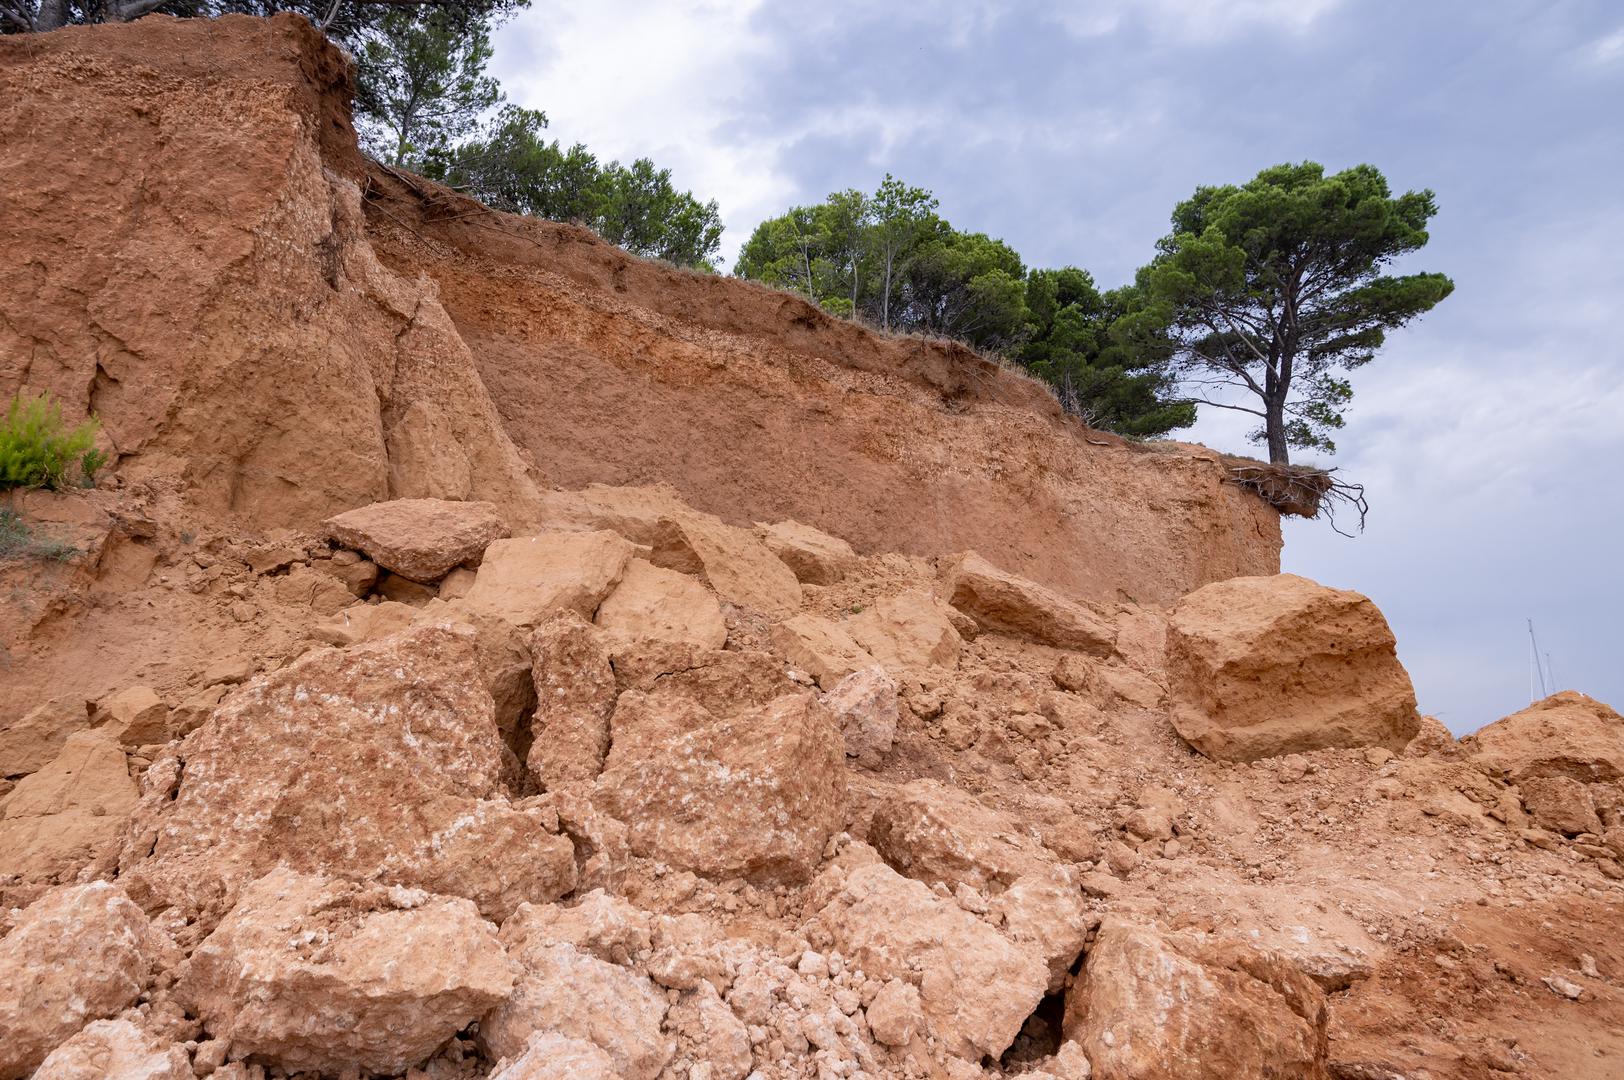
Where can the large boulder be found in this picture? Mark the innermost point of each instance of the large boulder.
(1150, 1006)
(531, 578)
(1560, 804)
(941, 834)
(32, 740)
(419, 539)
(116, 1050)
(1013, 605)
(575, 694)
(753, 793)
(79, 953)
(550, 1056)
(564, 990)
(311, 974)
(910, 632)
(820, 647)
(816, 557)
(69, 812)
(655, 604)
(1263, 666)
(734, 562)
(1567, 734)
(976, 986)
(378, 762)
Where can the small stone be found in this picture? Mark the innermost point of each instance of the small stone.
(1121, 858)
(896, 1015)
(135, 717)
(865, 705)
(1073, 672)
(1562, 987)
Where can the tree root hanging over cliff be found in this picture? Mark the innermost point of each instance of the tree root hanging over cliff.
(1300, 490)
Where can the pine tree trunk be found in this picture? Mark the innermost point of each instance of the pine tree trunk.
(885, 301)
(53, 15)
(1274, 426)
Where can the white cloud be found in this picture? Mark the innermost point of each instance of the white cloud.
(652, 79)
(1195, 20)
(1609, 49)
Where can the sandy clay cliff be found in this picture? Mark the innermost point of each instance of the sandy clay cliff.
(491, 655)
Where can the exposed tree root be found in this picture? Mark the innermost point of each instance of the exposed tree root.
(1300, 490)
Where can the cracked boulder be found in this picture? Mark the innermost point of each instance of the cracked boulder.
(311, 974)
(68, 813)
(79, 953)
(379, 762)
(1150, 1006)
(976, 986)
(752, 792)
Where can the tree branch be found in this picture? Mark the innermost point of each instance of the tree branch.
(1231, 363)
(130, 10)
(1222, 405)
(20, 17)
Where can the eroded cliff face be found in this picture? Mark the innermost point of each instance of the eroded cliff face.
(247, 307)
(753, 404)
(186, 258)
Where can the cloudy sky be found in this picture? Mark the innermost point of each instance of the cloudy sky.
(1490, 435)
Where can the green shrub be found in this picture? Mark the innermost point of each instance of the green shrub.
(93, 462)
(38, 450)
(17, 540)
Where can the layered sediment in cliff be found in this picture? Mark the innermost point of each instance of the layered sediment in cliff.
(250, 306)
